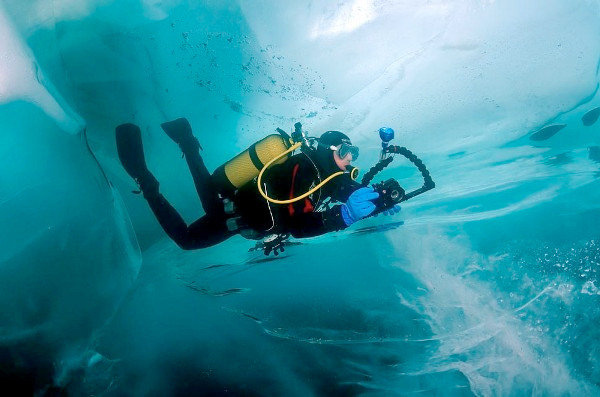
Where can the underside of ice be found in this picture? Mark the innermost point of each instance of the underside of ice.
(486, 285)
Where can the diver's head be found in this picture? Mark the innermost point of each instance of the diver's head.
(335, 151)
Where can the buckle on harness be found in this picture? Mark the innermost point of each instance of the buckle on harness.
(228, 206)
(234, 224)
(237, 224)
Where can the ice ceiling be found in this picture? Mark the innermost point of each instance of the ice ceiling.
(467, 85)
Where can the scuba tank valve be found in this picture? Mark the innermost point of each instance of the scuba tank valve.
(298, 135)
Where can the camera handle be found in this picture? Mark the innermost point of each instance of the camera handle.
(428, 182)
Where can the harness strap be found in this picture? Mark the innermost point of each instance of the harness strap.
(308, 206)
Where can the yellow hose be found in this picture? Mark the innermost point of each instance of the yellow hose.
(311, 191)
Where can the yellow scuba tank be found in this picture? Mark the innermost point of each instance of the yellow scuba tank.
(246, 166)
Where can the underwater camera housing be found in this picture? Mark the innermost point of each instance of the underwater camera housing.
(390, 194)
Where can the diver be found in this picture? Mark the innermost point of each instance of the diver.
(231, 210)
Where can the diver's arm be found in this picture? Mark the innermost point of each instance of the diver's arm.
(340, 188)
(311, 224)
(358, 206)
(303, 221)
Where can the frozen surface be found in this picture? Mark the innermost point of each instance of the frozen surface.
(487, 285)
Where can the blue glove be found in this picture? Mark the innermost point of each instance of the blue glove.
(359, 205)
(391, 211)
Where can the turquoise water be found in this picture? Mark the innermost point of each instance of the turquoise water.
(487, 285)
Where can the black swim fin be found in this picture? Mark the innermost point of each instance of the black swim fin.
(180, 131)
(131, 153)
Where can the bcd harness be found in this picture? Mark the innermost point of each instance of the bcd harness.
(275, 149)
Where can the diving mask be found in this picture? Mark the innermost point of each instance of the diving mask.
(344, 149)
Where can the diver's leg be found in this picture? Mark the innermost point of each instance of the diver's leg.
(205, 232)
(131, 154)
(208, 231)
(180, 131)
(211, 202)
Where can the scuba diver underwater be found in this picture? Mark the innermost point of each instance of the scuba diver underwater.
(268, 192)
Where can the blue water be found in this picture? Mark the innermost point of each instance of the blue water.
(487, 285)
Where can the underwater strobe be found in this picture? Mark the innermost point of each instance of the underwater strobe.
(390, 191)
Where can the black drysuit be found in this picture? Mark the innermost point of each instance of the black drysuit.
(257, 217)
